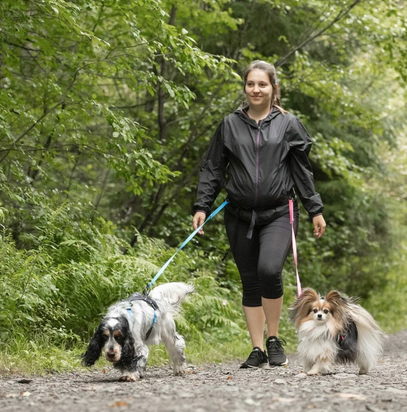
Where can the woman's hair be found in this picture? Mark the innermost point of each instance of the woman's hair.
(271, 72)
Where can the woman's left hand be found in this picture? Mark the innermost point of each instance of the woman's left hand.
(319, 226)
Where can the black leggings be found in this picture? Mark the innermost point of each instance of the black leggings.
(260, 260)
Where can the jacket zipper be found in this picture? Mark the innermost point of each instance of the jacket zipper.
(258, 157)
(257, 163)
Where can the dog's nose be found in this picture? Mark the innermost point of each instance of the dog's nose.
(319, 315)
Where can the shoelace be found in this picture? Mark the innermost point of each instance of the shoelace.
(275, 344)
(256, 353)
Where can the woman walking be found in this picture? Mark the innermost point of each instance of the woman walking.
(260, 154)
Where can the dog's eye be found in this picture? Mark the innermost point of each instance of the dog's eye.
(315, 310)
(326, 311)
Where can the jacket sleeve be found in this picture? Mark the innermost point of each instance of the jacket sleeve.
(212, 174)
(300, 146)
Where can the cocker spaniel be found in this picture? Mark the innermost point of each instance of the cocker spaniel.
(135, 323)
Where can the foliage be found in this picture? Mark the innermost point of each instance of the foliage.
(61, 287)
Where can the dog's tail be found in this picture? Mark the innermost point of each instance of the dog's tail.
(172, 294)
(370, 337)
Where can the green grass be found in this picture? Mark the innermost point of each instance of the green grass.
(26, 357)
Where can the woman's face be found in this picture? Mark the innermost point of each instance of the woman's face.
(259, 91)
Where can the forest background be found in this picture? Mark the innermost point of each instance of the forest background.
(106, 110)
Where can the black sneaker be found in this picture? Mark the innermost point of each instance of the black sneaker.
(257, 359)
(275, 351)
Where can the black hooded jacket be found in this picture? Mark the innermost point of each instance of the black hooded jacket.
(259, 164)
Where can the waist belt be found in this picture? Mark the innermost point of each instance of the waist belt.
(252, 215)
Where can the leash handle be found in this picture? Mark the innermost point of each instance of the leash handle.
(186, 241)
(294, 243)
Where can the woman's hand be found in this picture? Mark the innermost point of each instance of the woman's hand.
(319, 226)
(198, 220)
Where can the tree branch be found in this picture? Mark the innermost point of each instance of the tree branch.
(46, 113)
(341, 14)
(161, 94)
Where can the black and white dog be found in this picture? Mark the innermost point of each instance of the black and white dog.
(133, 324)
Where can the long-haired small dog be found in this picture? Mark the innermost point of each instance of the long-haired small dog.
(334, 329)
(133, 324)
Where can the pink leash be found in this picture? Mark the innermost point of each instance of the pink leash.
(291, 208)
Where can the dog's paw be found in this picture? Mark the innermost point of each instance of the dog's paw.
(179, 370)
(313, 372)
(363, 371)
(130, 378)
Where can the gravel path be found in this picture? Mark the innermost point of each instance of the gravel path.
(216, 388)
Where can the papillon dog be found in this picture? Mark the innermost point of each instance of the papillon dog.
(334, 329)
(135, 323)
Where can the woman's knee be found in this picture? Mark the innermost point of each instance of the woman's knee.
(271, 281)
(269, 270)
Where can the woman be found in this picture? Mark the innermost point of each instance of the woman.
(261, 153)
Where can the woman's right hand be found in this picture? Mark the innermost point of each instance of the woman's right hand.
(198, 220)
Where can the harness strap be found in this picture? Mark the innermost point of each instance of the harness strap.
(152, 325)
(294, 243)
(149, 301)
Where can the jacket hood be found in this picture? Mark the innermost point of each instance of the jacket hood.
(242, 113)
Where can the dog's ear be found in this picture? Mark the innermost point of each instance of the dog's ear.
(127, 357)
(333, 296)
(128, 352)
(302, 305)
(308, 295)
(338, 302)
(92, 353)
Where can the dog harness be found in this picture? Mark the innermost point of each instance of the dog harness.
(151, 302)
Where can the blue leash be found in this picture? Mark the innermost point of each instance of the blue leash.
(186, 241)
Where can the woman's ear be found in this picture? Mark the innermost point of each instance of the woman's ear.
(92, 353)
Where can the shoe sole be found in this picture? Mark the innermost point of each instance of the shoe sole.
(272, 365)
(263, 365)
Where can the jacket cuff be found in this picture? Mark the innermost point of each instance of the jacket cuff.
(200, 208)
(312, 215)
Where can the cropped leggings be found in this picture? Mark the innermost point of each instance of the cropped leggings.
(260, 260)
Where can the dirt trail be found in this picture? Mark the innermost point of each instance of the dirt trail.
(216, 388)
